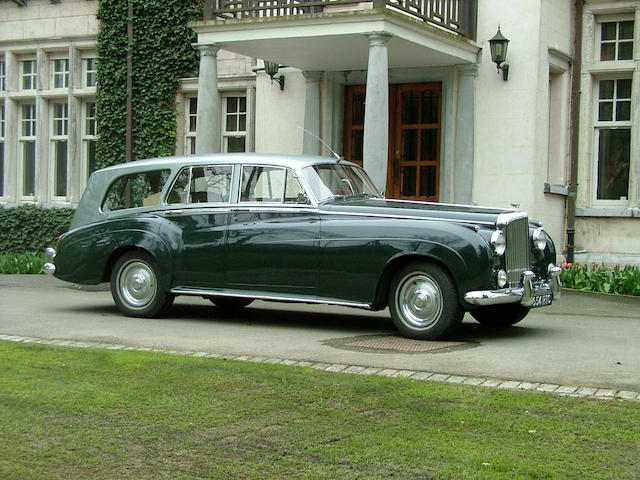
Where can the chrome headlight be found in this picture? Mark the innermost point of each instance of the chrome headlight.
(501, 278)
(540, 239)
(498, 242)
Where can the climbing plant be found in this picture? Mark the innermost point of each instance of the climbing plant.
(162, 53)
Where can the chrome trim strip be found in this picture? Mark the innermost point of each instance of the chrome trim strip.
(406, 217)
(506, 218)
(271, 297)
(497, 209)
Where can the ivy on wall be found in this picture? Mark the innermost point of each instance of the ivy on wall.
(162, 53)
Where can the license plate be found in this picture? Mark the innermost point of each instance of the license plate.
(541, 300)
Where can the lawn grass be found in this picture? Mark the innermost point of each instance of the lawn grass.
(77, 413)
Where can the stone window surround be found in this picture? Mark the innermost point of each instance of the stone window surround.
(593, 71)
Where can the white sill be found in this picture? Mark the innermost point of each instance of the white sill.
(620, 212)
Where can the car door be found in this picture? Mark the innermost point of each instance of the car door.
(273, 234)
(197, 213)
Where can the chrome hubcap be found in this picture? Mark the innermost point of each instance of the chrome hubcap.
(419, 300)
(137, 284)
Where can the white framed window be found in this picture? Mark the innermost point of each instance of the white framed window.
(28, 74)
(3, 76)
(191, 113)
(616, 40)
(89, 72)
(60, 73)
(2, 134)
(60, 147)
(27, 142)
(234, 123)
(612, 135)
(89, 136)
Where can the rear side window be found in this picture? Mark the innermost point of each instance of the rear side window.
(135, 190)
(207, 184)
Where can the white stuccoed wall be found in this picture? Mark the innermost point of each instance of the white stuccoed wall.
(512, 130)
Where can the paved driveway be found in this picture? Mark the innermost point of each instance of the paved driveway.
(583, 339)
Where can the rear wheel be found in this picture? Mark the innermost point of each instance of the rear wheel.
(500, 315)
(134, 286)
(423, 302)
(231, 303)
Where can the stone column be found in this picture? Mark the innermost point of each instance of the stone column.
(208, 114)
(376, 111)
(464, 143)
(310, 144)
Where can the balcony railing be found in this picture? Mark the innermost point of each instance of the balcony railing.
(454, 16)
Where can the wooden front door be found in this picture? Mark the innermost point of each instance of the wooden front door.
(413, 171)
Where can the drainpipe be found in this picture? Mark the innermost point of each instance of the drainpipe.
(574, 130)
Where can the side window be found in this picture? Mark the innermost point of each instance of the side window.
(209, 184)
(135, 190)
(293, 190)
(262, 184)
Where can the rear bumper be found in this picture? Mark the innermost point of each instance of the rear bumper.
(531, 294)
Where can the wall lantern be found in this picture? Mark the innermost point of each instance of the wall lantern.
(498, 45)
(271, 68)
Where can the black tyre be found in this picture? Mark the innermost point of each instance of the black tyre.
(423, 301)
(231, 303)
(135, 288)
(501, 316)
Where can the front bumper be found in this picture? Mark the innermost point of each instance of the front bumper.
(531, 294)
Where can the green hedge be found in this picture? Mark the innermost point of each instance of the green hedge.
(30, 228)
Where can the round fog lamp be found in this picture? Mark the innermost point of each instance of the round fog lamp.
(498, 242)
(540, 239)
(502, 278)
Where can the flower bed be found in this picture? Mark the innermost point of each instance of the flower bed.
(601, 278)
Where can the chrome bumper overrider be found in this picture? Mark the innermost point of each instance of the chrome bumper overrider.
(49, 268)
(529, 295)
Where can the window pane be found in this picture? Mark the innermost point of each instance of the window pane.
(605, 111)
(357, 113)
(91, 157)
(178, 193)
(428, 181)
(293, 192)
(409, 145)
(232, 104)
(408, 182)
(609, 31)
(613, 164)
(623, 111)
(429, 150)
(607, 52)
(357, 145)
(135, 190)
(624, 88)
(625, 51)
(29, 168)
(236, 144)
(61, 168)
(232, 125)
(430, 103)
(1, 169)
(243, 104)
(210, 184)
(242, 123)
(626, 30)
(606, 89)
(410, 105)
(262, 184)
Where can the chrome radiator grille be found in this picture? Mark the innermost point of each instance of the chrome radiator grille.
(516, 233)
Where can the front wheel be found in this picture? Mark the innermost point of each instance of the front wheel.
(423, 302)
(500, 316)
(134, 286)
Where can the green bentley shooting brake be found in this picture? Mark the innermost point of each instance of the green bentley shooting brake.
(237, 227)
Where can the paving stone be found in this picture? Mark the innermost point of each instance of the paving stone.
(566, 389)
(527, 386)
(586, 391)
(605, 392)
(387, 372)
(243, 358)
(336, 367)
(510, 384)
(304, 364)
(626, 395)
(439, 377)
(288, 362)
(257, 359)
(455, 379)
(369, 371)
(490, 382)
(404, 373)
(320, 366)
(474, 381)
(547, 387)
(200, 354)
(273, 360)
(353, 369)
(422, 375)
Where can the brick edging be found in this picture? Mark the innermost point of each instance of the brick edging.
(565, 390)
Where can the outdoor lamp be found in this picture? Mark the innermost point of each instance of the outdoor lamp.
(271, 68)
(498, 45)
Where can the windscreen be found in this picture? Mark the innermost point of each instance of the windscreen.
(334, 180)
